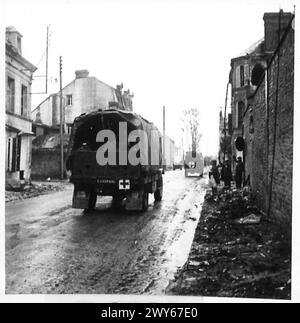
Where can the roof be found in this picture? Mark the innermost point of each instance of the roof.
(254, 48)
(127, 115)
(11, 51)
(43, 125)
(12, 29)
(49, 141)
(73, 81)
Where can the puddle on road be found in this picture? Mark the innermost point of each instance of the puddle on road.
(179, 239)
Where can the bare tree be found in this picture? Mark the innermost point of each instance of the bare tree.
(192, 121)
(225, 146)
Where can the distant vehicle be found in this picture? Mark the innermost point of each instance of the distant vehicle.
(132, 183)
(169, 151)
(178, 166)
(193, 164)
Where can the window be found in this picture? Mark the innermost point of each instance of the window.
(10, 95)
(69, 129)
(69, 100)
(257, 74)
(242, 75)
(251, 124)
(24, 100)
(19, 45)
(240, 114)
(230, 123)
(9, 153)
(13, 154)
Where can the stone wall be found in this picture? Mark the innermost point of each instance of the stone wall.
(46, 163)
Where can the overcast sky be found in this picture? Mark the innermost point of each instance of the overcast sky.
(172, 53)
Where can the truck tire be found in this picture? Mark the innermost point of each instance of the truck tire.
(92, 201)
(117, 201)
(145, 202)
(158, 194)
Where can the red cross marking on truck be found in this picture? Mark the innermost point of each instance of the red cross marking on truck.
(124, 184)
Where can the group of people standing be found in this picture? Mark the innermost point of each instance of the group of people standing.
(222, 172)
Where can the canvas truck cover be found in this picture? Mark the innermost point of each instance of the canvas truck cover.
(87, 126)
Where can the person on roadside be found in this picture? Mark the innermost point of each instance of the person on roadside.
(239, 172)
(226, 174)
(214, 173)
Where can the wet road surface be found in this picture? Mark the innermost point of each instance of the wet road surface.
(52, 248)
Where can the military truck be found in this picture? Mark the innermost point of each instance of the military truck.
(106, 157)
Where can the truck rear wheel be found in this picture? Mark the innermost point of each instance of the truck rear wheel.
(117, 201)
(145, 202)
(158, 194)
(92, 201)
(159, 191)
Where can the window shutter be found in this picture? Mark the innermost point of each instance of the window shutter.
(237, 77)
(14, 154)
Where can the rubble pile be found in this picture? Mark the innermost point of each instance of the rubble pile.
(33, 190)
(236, 252)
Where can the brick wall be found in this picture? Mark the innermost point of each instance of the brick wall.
(271, 20)
(46, 163)
(256, 154)
(283, 167)
(260, 143)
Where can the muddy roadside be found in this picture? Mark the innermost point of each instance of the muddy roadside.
(34, 189)
(236, 252)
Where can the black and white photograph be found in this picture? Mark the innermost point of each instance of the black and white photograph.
(149, 150)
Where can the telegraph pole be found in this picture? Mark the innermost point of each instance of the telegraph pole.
(61, 121)
(225, 143)
(47, 46)
(164, 135)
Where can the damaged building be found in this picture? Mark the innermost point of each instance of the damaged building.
(262, 80)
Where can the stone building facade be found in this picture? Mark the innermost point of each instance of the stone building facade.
(248, 68)
(225, 127)
(262, 112)
(18, 123)
(242, 84)
(84, 94)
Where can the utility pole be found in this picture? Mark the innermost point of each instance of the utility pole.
(47, 46)
(61, 121)
(46, 75)
(182, 144)
(164, 135)
(225, 134)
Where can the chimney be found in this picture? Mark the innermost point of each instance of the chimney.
(271, 21)
(81, 74)
(14, 38)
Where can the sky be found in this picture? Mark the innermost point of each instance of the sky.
(168, 53)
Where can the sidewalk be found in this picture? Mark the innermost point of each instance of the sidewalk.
(230, 258)
(35, 189)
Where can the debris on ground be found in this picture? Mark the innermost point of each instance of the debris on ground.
(227, 259)
(34, 189)
(250, 219)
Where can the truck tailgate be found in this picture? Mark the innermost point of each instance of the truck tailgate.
(84, 165)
